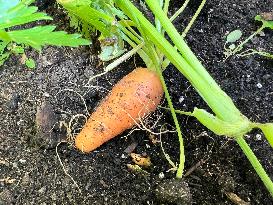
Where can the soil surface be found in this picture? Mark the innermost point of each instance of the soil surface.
(34, 103)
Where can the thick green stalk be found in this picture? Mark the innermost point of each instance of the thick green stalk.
(166, 61)
(188, 65)
(256, 164)
(223, 107)
(193, 70)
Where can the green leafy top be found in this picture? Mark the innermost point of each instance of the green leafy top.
(20, 14)
(44, 35)
(15, 12)
(100, 15)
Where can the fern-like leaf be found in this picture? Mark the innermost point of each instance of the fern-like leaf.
(45, 35)
(19, 14)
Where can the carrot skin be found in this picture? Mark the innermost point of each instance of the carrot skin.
(131, 99)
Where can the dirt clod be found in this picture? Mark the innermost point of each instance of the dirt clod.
(174, 191)
(46, 121)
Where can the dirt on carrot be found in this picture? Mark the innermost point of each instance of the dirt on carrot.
(131, 99)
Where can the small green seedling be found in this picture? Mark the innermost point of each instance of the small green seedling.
(15, 41)
(234, 36)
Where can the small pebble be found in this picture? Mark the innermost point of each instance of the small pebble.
(173, 191)
(266, 76)
(181, 99)
(42, 190)
(261, 33)
(259, 85)
(15, 165)
(13, 103)
(247, 136)
(25, 180)
(161, 175)
(258, 137)
(46, 94)
(22, 161)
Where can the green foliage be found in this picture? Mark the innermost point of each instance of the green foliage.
(90, 15)
(20, 14)
(16, 13)
(44, 35)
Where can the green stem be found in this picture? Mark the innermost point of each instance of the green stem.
(220, 103)
(157, 65)
(188, 65)
(180, 169)
(193, 18)
(179, 11)
(179, 111)
(166, 6)
(140, 52)
(256, 164)
(166, 62)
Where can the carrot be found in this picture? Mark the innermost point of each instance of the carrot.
(131, 99)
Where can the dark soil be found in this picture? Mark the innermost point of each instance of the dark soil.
(32, 174)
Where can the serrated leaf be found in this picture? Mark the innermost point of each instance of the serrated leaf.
(266, 23)
(4, 36)
(19, 14)
(4, 57)
(88, 15)
(234, 36)
(3, 45)
(99, 14)
(44, 35)
(83, 9)
(6, 5)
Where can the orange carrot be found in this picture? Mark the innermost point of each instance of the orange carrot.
(131, 99)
